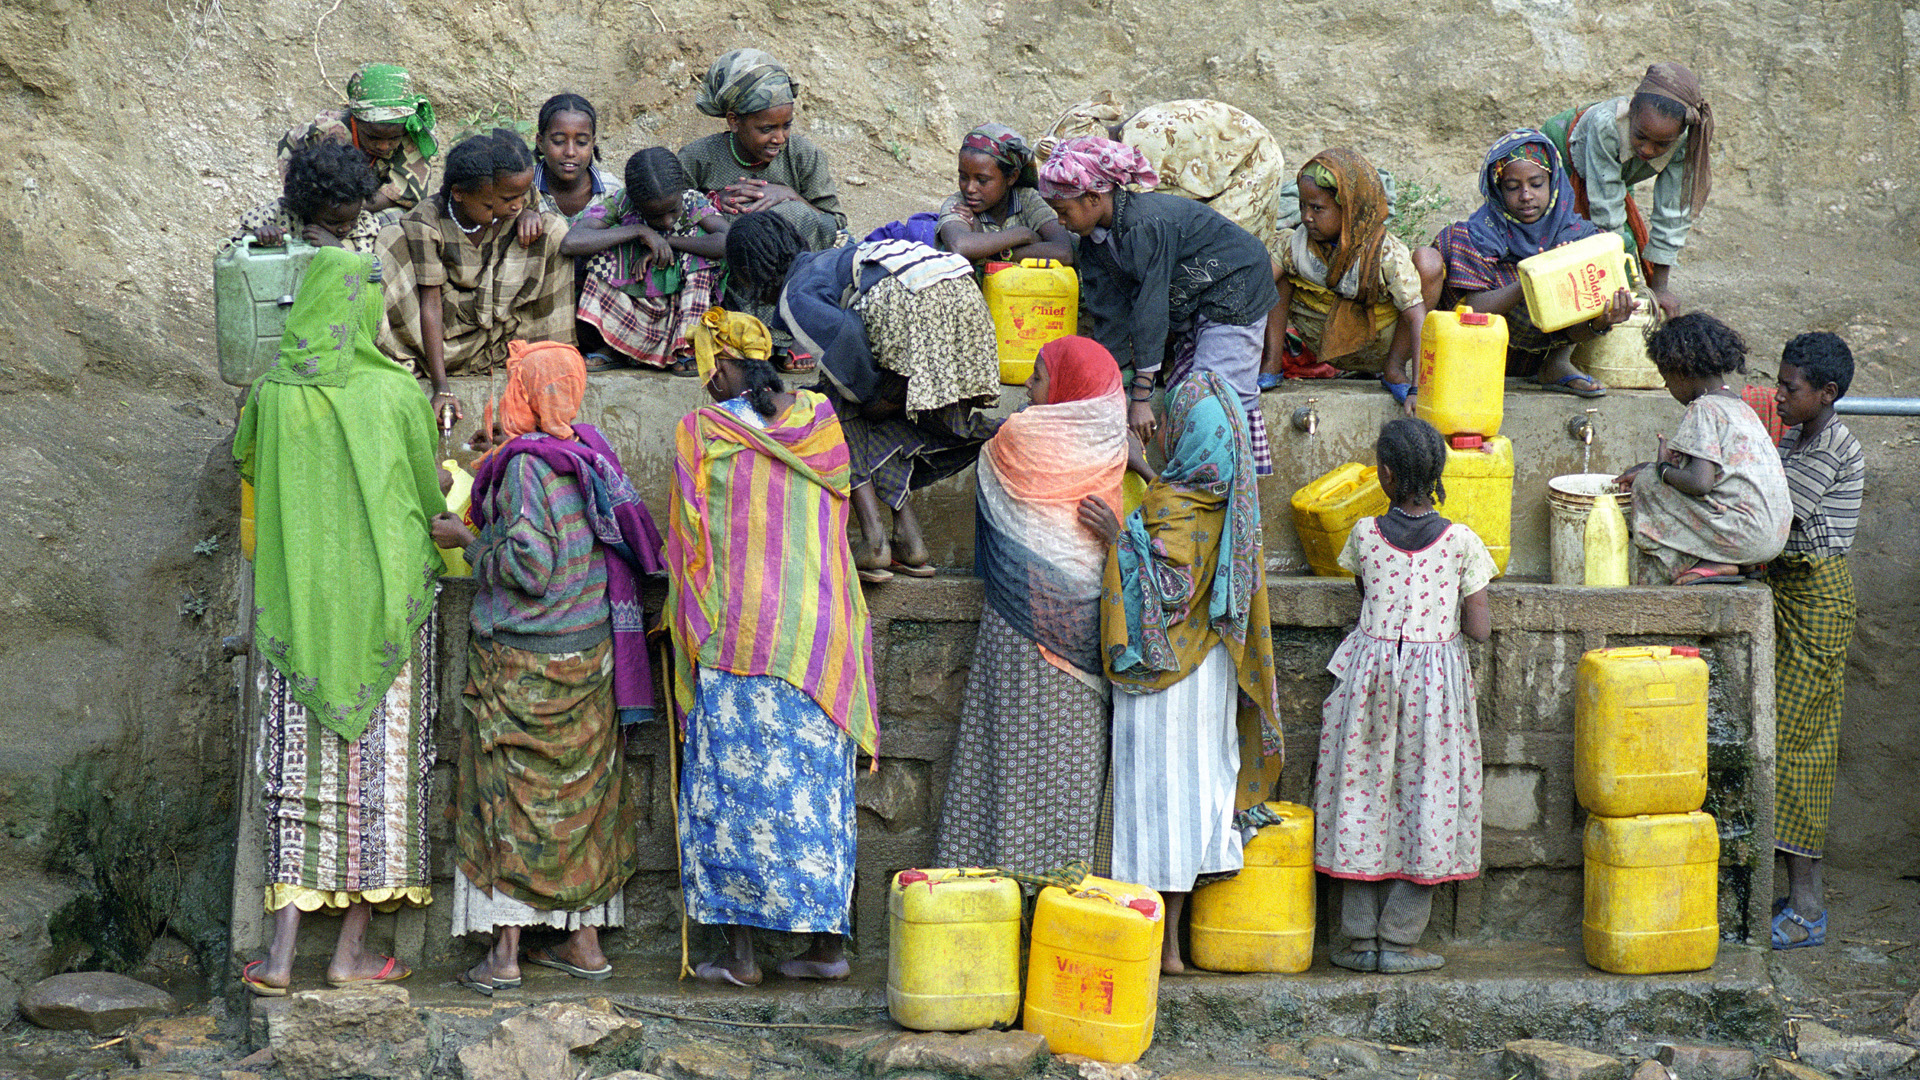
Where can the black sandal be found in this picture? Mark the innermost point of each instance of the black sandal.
(598, 361)
(685, 367)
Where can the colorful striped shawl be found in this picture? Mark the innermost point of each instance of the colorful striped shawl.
(760, 577)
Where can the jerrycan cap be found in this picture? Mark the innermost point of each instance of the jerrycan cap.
(1145, 906)
(1470, 317)
(1689, 651)
(912, 877)
(1465, 442)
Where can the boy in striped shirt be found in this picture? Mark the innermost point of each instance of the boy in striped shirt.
(1813, 614)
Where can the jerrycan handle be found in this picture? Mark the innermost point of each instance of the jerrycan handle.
(1040, 264)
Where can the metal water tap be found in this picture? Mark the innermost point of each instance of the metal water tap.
(1305, 418)
(1581, 427)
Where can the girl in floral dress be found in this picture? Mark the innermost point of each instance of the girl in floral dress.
(1397, 800)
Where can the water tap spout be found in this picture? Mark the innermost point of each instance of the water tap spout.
(1581, 427)
(1305, 418)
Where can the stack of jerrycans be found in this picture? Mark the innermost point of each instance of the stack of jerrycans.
(1462, 390)
(1640, 769)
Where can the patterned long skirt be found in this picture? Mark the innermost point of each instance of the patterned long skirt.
(540, 813)
(650, 329)
(766, 808)
(1024, 792)
(347, 820)
(1813, 614)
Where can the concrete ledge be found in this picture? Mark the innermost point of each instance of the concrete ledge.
(1482, 998)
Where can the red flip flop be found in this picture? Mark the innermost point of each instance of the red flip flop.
(260, 989)
(386, 976)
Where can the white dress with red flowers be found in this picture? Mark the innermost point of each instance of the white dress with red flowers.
(1397, 793)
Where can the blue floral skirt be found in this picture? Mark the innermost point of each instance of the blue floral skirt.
(766, 808)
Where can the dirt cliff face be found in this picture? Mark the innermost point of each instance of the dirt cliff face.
(133, 135)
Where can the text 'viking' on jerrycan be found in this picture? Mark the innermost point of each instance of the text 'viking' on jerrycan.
(1032, 303)
(1093, 971)
(953, 955)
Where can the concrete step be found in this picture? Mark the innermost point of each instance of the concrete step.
(1486, 995)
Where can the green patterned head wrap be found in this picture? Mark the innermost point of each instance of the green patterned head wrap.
(383, 94)
(1321, 176)
(743, 82)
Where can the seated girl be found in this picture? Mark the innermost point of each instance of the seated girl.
(656, 262)
(760, 162)
(907, 346)
(389, 123)
(566, 169)
(327, 190)
(1662, 132)
(1159, 270)
(1351, 288)
(1716, 501)
(997, 214)
(462, 279)
(1526, 208)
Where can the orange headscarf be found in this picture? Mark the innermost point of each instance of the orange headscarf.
(1355, 187)
(545, 382)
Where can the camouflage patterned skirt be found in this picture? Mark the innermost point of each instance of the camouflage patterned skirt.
(539, 808)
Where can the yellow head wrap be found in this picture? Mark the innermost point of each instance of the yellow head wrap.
(723, 333)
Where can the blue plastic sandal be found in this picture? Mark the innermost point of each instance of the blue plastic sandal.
(1816, 930)
(1399, 390)
(1271, 380)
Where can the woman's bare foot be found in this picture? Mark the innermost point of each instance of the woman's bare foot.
(1171, 962)
(735, 965)
(909, 547)
(826, 959)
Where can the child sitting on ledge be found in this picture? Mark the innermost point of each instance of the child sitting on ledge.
(1715, 502)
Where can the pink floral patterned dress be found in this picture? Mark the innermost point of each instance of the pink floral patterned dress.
(1397, 793)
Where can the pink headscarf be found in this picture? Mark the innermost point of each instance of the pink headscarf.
(1089, 163)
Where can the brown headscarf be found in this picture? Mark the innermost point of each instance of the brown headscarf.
(545, 382)
(1675, 83)
(1363, 230)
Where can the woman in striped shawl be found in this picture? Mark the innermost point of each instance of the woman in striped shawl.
(773, 658)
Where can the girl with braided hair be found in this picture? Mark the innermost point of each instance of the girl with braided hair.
(1397, 793)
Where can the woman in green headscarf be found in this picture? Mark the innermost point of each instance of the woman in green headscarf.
(390, 122)
(339, 445)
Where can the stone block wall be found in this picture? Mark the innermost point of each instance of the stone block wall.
(1531, 889)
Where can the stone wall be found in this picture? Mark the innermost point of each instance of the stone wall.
(923, 645)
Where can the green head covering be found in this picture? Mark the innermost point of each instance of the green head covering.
(339, 443)
(1320, 176)
(383, 94)
(744, 81)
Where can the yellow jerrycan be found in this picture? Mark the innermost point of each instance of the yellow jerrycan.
(246, 520)
(1093, 971)
(1262, 918)
(1606, 547)
(1652, 893)
(953, 962)
(1463, 372)
(1571, 283)
(1326, 510)
(1479, 482)
(1640, 730)
(1032, 303)
(459, 498)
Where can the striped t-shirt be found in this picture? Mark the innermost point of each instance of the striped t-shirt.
(1826, 478)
